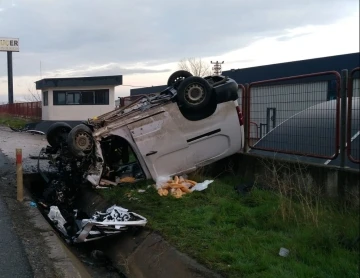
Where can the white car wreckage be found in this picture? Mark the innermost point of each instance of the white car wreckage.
(194, 122)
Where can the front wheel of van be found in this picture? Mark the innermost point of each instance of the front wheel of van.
(194, 93)
(80, 140)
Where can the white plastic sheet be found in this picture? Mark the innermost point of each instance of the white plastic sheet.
(161, 181)
(201, 186)
(56, 217)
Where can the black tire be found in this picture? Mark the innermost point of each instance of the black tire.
(80, 140)
(194, 93)
(227, 91)
(197, 115)
(177, 77)
(57, 134)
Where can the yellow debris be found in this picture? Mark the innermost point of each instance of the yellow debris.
(127, 179)
(178, 186)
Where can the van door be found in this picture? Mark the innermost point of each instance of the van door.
(161, 144)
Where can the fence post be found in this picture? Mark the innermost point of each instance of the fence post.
(19, 176)
(343, 90)
(247, 118)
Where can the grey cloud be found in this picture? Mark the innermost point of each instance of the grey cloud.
(65, 34)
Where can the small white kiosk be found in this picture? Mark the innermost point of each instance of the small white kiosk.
(77, 99)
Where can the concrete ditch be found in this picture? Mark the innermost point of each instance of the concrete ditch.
(141, 254)
(337, 183)
(67, 261)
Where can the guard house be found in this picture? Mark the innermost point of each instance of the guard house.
(77, 99)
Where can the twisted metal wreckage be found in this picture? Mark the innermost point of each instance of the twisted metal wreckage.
(100, 150)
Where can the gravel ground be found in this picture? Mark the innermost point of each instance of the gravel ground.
(30, 145)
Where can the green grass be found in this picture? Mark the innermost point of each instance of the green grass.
(13, 121)
(240, 236)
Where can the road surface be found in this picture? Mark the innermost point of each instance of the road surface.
(13, 259)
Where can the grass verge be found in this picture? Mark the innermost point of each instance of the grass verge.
(240, 235)
(13, 121)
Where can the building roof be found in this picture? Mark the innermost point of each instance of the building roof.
(147, 90)
(273, 71)
(113, 80)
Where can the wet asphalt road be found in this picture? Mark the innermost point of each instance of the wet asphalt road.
(13, 259)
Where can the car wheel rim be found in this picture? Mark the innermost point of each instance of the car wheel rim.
(194, 94)
(83, 141)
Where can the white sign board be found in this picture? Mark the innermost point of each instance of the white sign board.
(9, 44)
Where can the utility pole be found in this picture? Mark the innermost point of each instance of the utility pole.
(10, 77)
(217, 67)
(10, 45)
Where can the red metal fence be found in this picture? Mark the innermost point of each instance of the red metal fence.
(299, 115)
(30, 110)
(353, 116)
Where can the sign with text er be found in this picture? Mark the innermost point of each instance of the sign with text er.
(9, 44)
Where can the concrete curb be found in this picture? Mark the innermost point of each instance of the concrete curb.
(65, 263)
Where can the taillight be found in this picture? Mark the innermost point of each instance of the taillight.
(240, 115)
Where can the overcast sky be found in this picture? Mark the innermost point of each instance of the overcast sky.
(144, 40)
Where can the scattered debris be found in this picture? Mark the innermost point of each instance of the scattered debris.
(179, 186)
(25, 129)
(107, 182)
(283, 252)
(33, 204)
(42, 204)
(56, 217)
(42, 156)
(127, 180)
(32, 131)
(202, 186)
(141, 190)
(78, 227)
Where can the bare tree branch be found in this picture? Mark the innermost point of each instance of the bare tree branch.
(32, 96)
(196, 66)
(183, 65)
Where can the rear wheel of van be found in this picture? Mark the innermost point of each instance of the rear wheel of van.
(194, 93)
(80, 140)
(177, 77)
(57, 134)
